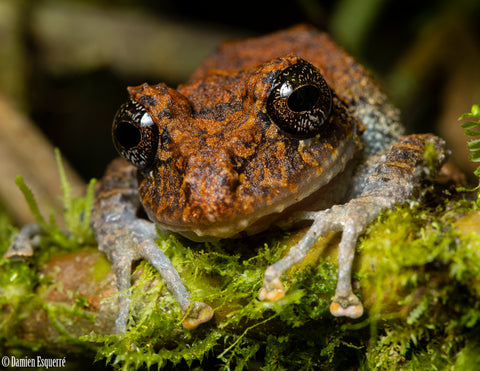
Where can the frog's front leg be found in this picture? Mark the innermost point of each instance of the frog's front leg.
(390, 182)
(124, 238)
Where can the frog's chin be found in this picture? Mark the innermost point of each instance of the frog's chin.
(334, 192)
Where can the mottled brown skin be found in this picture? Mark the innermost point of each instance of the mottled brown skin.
(224, 164)
(221, 167)
(344, 75)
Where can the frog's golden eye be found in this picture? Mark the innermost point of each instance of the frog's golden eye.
(300, 101)
(135, 135)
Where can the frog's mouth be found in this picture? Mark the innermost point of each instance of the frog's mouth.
(282, 213)
(329, 190)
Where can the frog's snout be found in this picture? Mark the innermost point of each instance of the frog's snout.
(210, 185)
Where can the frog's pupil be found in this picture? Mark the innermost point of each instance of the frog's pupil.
(127, 135)
(303, 98)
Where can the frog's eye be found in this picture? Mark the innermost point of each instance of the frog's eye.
(300, 101)
(135, 135)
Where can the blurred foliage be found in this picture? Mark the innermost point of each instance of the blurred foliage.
(20, 277)
(415, 48)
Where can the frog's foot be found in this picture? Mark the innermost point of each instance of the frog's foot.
(342, 217)
(130, 240)
(25, 242)
(272, 290)
(198, 313)
(346, 306)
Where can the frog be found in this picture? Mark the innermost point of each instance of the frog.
(269, 131)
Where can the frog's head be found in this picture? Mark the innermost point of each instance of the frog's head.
(231, 151)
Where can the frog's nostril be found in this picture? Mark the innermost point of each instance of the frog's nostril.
(127, 135)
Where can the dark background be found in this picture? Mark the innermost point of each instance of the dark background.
(425, 54)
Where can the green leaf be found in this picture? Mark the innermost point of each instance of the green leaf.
(474, 145)
(475, 156)
(470, 124)
(474, 113)
(476, 110)
(472, 133)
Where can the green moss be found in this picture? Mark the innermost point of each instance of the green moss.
(417, 271)
(101, 268)
(228, 276)
(418, 274)
(16, 282)
(21, 279)
(420, 271)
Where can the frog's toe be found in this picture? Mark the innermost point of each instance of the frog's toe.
(272, 290)
(198, 314)
(25, 242)
(346, 306)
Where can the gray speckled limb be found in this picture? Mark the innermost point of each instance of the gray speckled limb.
(124, 238)
(123, 271)
(196, 312)
(390, 182)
